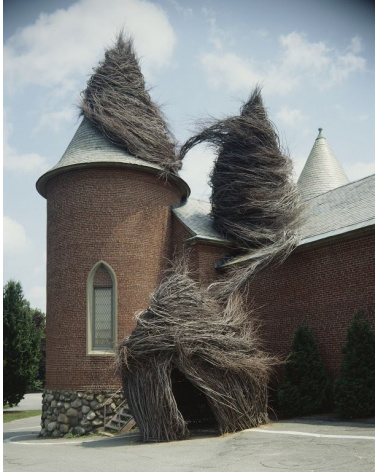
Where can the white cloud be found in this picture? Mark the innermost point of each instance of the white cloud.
(185, 11)
(300, 61)
(18, 162)
(356, 44)
(56, 119)
(63, 45)
(197, 165)
(215, 34)
(239, 74)
(219, 36)
(299, 54)
(14, 236)
(230, 70)
(28, 162)
(343, 67)
(290, 116)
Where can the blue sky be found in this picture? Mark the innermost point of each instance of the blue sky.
(314, 59)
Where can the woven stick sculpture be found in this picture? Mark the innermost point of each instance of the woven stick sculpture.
(254, 202)
(118, 104)
(214, 348)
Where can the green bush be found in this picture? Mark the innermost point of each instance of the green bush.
(305, 387)
(354, 389)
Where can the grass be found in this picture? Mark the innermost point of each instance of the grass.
(18, 415)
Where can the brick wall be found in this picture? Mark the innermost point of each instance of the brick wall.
(325, 285)
(122, 217)
(179, 233)
(202, 255)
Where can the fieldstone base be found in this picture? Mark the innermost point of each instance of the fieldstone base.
(78, 413)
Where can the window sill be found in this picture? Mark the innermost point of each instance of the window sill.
(101, 353)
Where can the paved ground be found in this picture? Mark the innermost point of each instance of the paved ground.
(31, 401)
(297, 445)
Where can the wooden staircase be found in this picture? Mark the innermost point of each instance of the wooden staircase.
(122, 420)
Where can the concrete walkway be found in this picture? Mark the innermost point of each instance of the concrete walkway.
(31, 401)
(297, 445)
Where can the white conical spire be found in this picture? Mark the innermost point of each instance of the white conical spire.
(322, 171)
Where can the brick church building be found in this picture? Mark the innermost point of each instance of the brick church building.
(112, 226)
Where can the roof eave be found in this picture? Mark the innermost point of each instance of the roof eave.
(341, 233)
(348, 232)
(173, 178)
(208, 240)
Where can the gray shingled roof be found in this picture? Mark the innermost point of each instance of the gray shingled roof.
(195, 215)
(338, 211)
(322, 171)
(89, 147)
(343, 209)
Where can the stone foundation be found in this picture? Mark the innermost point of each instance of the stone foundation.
(78, 413)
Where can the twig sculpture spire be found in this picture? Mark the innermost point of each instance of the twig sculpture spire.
(254, 202)
(117, 102)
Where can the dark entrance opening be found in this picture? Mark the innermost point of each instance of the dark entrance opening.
(192, 403)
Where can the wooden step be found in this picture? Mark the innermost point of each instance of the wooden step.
(129, 425)
(121, 421)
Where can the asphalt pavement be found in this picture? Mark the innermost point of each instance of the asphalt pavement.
(297, 445)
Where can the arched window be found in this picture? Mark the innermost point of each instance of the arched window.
(101, 310)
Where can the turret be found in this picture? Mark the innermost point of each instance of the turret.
(108, 240)
(322, 171)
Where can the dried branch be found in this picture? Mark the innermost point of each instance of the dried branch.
(254, 202)
(215, 347)
(117, 102)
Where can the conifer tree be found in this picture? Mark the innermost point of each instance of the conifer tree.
(39, 322)
(354, 389)
(21, 351)
(305, 387)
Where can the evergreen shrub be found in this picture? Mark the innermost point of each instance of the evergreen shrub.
(305, 387)
(354, 389)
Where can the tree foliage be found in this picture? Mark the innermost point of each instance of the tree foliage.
(39, 322)
(354, 389)
(23, 330)
(305, 387)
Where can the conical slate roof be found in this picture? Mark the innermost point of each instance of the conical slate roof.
(322, 171)
(89, 148)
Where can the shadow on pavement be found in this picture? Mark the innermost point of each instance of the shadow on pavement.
(17, 436)
(133, 439)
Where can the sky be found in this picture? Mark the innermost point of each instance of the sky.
(313, 58)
